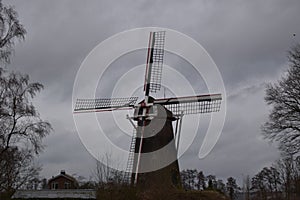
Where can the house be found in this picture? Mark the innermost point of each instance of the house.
(62, 186)
(62, 181)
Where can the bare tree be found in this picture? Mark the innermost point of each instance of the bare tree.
(21, 131)
(284, 120)
(10, 30)
(232, 188)
(20, 123)
(289, 170)
(102, 174)
(258, 186)
(21, 128)
(105, 175)
(17, 171)
(247, 186)
(267, 183)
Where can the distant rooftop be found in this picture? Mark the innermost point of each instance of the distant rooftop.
(54, 194)
(64, 174)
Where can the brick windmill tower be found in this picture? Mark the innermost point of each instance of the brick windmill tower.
(153, 143)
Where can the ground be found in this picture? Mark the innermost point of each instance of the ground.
(132, 194)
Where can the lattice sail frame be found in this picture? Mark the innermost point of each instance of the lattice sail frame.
(154, 63)
(192, 104)
(104, 104)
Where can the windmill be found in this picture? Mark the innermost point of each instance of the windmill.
(154, 118)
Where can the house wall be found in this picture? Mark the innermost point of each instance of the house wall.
(61, 183)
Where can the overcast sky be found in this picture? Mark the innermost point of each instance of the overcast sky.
(248, 40)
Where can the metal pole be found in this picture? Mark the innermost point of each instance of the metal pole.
(140, 150)
(130, 120)
(176, 128)
(179, 130)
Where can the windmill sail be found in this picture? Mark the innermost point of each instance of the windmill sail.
(192, 104)
(154, 62)
(104, 104)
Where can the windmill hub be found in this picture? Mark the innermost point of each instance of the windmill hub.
(143, 112)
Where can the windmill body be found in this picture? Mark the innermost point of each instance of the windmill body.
(153, 144)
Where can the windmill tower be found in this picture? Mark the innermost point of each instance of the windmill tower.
(154, 118)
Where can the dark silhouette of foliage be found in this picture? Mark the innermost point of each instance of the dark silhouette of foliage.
(231, 187)
(201, 185)
(221, 187)
(212, 182)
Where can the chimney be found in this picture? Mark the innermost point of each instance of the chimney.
(63, 172)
